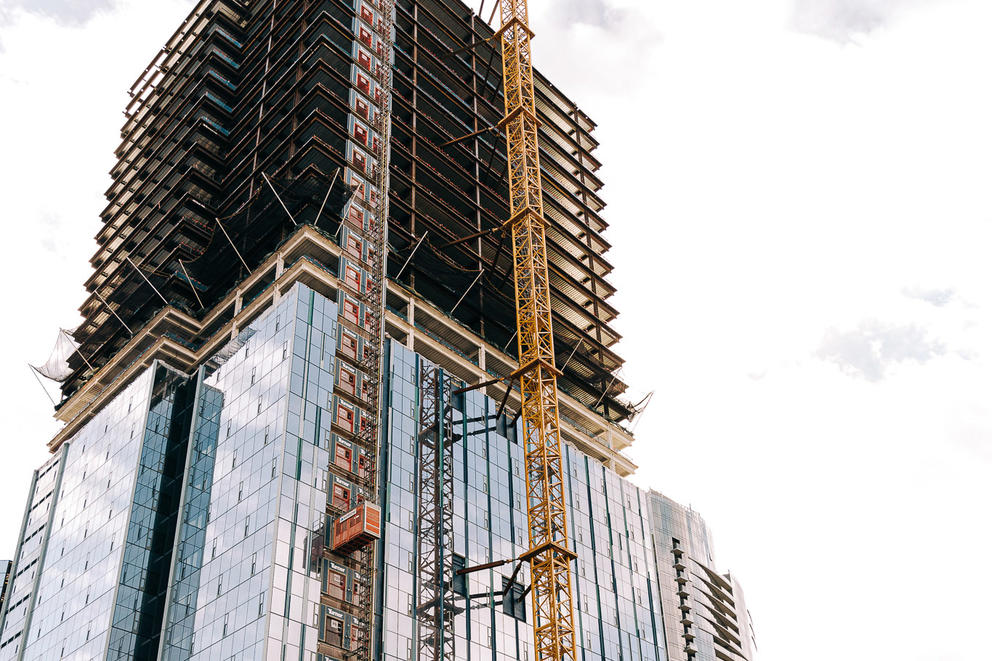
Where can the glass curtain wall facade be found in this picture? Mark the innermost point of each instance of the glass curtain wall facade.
(187, 507)
(189, 520)
(70, 555)
(617, 581)
(30, 552)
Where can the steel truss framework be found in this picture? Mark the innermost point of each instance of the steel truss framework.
(550, 556)
(449, 187)
(435, 522)
(270, 85)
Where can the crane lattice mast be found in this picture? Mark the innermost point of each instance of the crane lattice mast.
(550, 556)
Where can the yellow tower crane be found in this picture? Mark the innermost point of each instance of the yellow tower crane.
(549, 555)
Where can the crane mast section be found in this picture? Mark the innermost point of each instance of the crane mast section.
(550, 555)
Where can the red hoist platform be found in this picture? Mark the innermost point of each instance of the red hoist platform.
(357, 528)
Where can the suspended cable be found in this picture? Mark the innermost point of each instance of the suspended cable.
(78, 348)
(326, 196)
(502, 282)
(191, 285)
(102, 300)
(47, 394)
(484, 179)
(499, 251)
(412, 252)
(143, 277)
(598, 401)
(639, 409)
(251, 198)
(281, 203)
(232, 245)
(481, 271)
(571, 355)
(643, 404)
(507, 345)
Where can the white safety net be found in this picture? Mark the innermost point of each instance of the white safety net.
(57, 367)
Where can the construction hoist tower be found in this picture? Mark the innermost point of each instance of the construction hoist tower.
(375, 301)
(360, 557)
(549, 555)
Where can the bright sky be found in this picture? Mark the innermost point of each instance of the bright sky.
(799, 194)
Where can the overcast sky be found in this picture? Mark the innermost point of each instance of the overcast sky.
(799, 193)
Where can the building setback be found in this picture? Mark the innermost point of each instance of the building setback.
(270, 451)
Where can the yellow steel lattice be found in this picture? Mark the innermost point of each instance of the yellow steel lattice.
(549, 556)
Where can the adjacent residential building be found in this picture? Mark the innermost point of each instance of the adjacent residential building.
(703, 608)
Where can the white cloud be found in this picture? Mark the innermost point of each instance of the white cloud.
(871, 349)
(844, 20)
(607, 15)
(63, 12)
(936, 297)
(66, 11)
(606, 40)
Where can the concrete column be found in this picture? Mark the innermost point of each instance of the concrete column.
(411, 311)
(237, 310)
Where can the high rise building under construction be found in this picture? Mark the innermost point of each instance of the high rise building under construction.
(290, 423)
